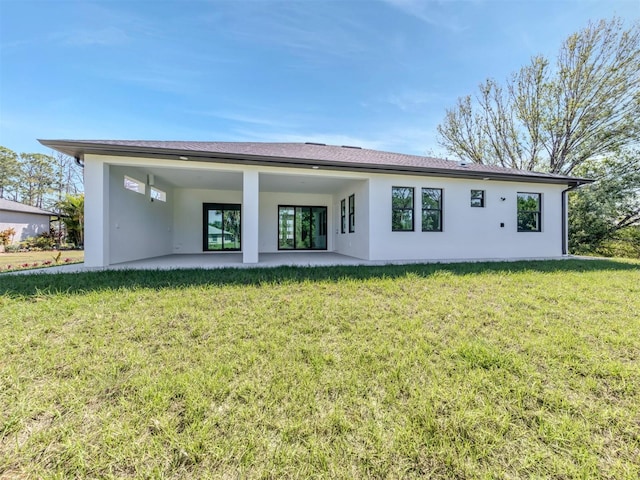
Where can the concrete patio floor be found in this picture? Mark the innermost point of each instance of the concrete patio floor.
(224, 260)
(234, 260)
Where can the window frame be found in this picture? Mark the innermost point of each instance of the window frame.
(324, 230)
(411, 209)
(482, 198)
(352, 213)
(428, 209)
(206, 207)
(537, 213)
(343, 216)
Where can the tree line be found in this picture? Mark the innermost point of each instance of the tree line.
(37, 179)
(576, 115)
(50, 182)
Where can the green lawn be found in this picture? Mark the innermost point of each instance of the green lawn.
(505, 370)
(22, 260)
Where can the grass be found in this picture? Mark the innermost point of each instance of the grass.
(506, 370)
(24, 260)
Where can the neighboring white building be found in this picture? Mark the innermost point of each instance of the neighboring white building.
(153, 198)
(27, 221)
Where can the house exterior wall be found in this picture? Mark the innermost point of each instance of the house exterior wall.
(138, 227)
(468, 232)
(25, 224)
(354, 244)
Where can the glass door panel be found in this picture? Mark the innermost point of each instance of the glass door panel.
(285, 228)
(302, 228)
(231, 230)
(319, 228)
(214, 230)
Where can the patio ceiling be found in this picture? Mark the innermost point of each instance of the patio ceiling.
(221, 180)
(302, 183)
(204, 179)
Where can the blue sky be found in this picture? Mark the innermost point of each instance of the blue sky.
(372, 73)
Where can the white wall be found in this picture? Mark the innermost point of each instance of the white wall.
(355, 244)
(468, 232)
(138, 227)
(187, 218)
(25, 224)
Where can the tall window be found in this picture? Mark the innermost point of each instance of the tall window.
(302, 228)
(477, 198)
(221, 226)
(343, 216)
(529, 212)
(352, 213)
(431, 209)
(402, 209)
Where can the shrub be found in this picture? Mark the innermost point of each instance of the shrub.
(6, 236)
(626, 243)
(44, 241)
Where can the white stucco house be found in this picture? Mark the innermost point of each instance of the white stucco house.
(25, 220)
(155, 198)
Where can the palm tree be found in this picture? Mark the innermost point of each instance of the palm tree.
(71, 210)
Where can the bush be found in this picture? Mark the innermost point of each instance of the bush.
(44, 241)
(625, 243)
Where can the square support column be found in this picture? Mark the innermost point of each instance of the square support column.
(96, 213)
(250, 216)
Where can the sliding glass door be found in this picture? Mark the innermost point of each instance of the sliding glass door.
(221, 227)
(302, 228)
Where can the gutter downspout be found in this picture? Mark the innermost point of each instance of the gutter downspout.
(565, 216)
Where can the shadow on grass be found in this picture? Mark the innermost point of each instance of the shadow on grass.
(27, 285)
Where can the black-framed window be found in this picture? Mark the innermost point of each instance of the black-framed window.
(221, 227)
(529, 212)
(352, 213)
(302, 227)
(477, 198)
(431, 209)
(402, 209)
(343, 216)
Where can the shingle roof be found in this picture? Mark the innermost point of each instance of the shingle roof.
(11, 206)
(296, 153)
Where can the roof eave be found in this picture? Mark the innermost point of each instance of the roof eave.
(78, 150)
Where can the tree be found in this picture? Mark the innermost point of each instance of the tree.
(68, 176)
(71, 209)
(37, 178)
(9, 171)
(555, 119)
(601, 211)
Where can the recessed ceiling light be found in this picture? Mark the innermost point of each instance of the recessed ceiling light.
(315, 167)
(183, 158)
